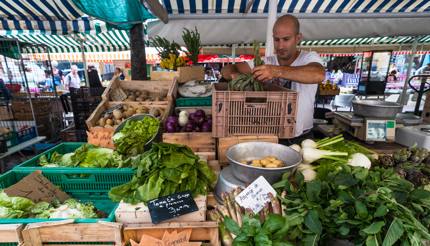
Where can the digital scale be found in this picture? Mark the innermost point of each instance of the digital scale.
(366, 129)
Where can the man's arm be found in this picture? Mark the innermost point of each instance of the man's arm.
(311, 73)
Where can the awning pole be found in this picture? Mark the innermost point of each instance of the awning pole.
(233, 52)
(403, 98)
(271, 18)
(85, 62)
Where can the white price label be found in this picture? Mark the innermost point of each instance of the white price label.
(256, 195)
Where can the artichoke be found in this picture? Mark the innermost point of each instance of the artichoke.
(418, 154)
(386, 161)
(401, 155)
(416, 177)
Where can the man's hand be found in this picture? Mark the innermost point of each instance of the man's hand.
(266, 72)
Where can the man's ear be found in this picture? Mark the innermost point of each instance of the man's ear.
(299, 38)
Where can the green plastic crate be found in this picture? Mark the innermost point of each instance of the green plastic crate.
(193, 101)
(100, 199)
(75, 179)
(8, 244)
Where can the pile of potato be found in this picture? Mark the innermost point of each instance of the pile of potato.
(112, 118)
(266, 162)
(145, 96)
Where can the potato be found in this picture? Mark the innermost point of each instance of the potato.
(278, 163)
(256, 165)
(102, 122)
(137, 93)
(265, 162)
(155, 112)
(125, 107)
(109, 122)
(131, 98)
(139, 99)
(117, 114)
(256, 162)
(118, 121)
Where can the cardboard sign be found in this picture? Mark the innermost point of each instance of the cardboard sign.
(169, 239)
(172, 206)
(36, 188)
(256, 195)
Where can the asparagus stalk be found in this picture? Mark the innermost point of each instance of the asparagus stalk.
(283, 206)
(227, 239)
(276, 206)
(237, 208)
(230, 207)
(223, 211)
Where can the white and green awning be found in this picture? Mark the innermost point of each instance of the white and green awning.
(114, 40)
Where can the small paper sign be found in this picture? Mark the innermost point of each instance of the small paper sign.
(36, 188)
(256, 195)
(172, 206)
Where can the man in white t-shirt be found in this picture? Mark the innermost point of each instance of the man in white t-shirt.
(297, 69)
(72, 80)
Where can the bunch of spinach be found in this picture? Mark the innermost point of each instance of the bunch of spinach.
(253, 232)
(163, 170)
(364, 207)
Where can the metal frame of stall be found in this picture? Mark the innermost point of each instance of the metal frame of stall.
(19, 68)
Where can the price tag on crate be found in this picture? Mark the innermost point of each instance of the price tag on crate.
(172, 206)
(256, 195)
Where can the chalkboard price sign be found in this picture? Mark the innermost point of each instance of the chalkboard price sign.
(168, 207)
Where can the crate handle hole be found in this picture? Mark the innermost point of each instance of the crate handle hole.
(290, 108)
(262, 100)
(219, 107)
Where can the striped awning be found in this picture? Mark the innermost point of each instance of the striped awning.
(402, 40)
(58, 17)
(178, 7)
(113, 40)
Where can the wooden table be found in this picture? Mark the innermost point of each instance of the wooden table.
(18, 148)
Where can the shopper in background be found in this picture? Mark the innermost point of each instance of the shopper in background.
(93, 77)
(57, 73)
(72, 80)
(118, 74)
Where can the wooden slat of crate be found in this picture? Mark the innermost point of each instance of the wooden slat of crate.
(225, 143)
(11, 233)
(148, 85)
(201, 231)
(37, 234)
(164, 75)
(197, 141)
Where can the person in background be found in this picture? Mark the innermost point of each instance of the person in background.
(57, 74)
(118, 74)
(93, 77)
(72, 80)
(392, 77)
(49, 85)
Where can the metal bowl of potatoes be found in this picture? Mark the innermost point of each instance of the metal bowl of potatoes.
(254, 159)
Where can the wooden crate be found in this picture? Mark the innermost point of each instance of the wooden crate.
(68, 233)
(197, 141)
(104, 105)
(139, 213)
(11, 233)
(154, 86)
(201, 231)
(225, 143)
(164, 75)
(191, 73)
(244, 113)
(207, 156)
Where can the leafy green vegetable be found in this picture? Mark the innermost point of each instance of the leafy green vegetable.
(365, 207)
(163, 170)
(253, 232)
(20, 207)
(131, 140)
(85, 156)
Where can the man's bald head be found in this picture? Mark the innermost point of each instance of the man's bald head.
(290, 21)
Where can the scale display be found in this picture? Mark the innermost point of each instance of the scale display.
(379, 130)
